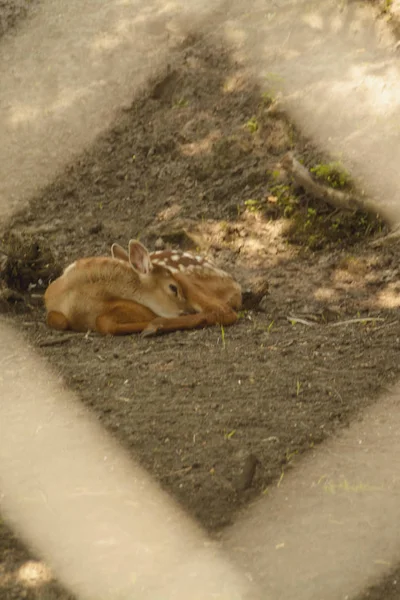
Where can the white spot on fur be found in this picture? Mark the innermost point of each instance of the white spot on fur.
(182, 267)
(188, 255)
(175, 257)
(69, 268)
(199, 258)
(172, 269)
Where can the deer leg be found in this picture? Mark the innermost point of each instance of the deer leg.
(163, 325)
(225, 316)
(217, 312)
(124, 317)
(56, 320)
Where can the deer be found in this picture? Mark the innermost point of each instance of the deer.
(141, 292)
(213, 296)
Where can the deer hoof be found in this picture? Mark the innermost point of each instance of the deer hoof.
(150, 330)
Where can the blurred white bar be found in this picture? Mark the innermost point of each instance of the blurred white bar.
(329, 530)
(69, 491)
(67, 72)
(338, 67)
(101, 523)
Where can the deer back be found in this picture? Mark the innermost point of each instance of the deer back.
(202, 282)
(87, 287)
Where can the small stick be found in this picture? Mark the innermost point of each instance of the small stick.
(302, 321)
(57, 342)
(351, 321)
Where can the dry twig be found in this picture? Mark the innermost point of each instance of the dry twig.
(59, 341)
(351, 321)
(293, 319)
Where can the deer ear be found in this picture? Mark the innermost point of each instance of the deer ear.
(139, 257)
(119, 253)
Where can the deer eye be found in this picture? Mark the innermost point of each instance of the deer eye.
(173, 289)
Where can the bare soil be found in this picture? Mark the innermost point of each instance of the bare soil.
(13, 11)
(197, 408)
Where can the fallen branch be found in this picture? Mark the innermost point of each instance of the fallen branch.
(293, 319)
(337, 199)
(351, 321)
(393, 236)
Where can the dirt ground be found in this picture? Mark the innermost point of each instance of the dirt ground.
(195, 163)
(11, 12)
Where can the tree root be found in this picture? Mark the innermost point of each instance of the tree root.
(337, 199)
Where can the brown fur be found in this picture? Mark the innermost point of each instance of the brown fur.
(141, 292)
(212, 293)
(102, 293)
